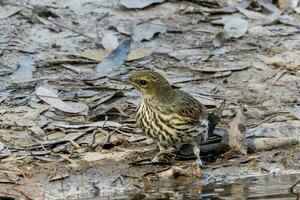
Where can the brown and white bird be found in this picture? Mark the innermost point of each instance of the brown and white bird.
(170, 116)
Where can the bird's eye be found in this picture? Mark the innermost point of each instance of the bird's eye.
(143, 82)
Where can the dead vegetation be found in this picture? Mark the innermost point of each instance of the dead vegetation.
(66, 125)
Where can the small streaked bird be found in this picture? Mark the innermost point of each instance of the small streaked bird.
(170, 116)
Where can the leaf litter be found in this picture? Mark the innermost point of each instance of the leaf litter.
(81, 131)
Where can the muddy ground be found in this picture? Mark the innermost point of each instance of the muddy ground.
(64, 135)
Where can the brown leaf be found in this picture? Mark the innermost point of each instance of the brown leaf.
(236, 133)
(94, 156)
(288, 60)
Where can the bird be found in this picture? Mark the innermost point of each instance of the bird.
(170, 116)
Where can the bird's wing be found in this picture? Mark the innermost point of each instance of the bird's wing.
(188, 107)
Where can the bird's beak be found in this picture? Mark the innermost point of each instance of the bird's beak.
(126, 81)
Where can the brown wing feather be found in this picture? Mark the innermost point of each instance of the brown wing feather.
(187, 106)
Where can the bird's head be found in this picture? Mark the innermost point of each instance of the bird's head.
(149, 83)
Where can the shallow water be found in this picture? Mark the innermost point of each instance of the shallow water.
(263, 187)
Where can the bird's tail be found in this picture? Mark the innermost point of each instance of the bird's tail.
(215, 117)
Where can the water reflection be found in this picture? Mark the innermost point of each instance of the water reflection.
(265, 187)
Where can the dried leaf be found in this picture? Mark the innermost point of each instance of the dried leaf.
(51, 98)
(133, 4)
(251, 14)
(236, 133)
(218, 39)
(8, 12)
(260, 31)
(220, 50)
(110, 41)
(268, 20)
(96, 124)
(221, 69)
(289, 20)
(295, 111)
(124, 28)
(288, 60)
(24, 72)
(114, 60)
(174, 172)
(138, 53)
(94, 156)
(98, 55)
(276, 129)
(58, 177)
(2, 146)
(267, 144)
(145, 31)
(235, 26)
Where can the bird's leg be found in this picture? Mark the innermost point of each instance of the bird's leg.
(196, 150)
(162, 150)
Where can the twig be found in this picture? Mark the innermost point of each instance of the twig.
(32, 185)
(147, 161)
(291, 190)
(264, 120)
(72, 30)
(278, 76)
(66, 61)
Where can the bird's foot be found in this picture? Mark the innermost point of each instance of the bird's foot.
(156, 158)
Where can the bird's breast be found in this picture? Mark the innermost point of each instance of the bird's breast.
(167, 127)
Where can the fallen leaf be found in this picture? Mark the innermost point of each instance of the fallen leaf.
(2, 146)
(260, 31)
(288, 60)
(114, 60)
(133, 4)
(205, 100)
(251, 14)
(237, 133)
(98, 55)
(51, 98)
(286, 129)
(58, 177)
(267, 144)
(24, 72)
(222, 74)
(225, 10)
(124, 28)
(289, 20)
(218, 39)
(94, 156)
(174, 172)
(267, 20)
(95, 124)
(71, 136)
(138, 53)
(220, 69)
(8, 12)
(235, 26)
(295, 111)
(110, 41)
(145, 31)
(220, 50)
